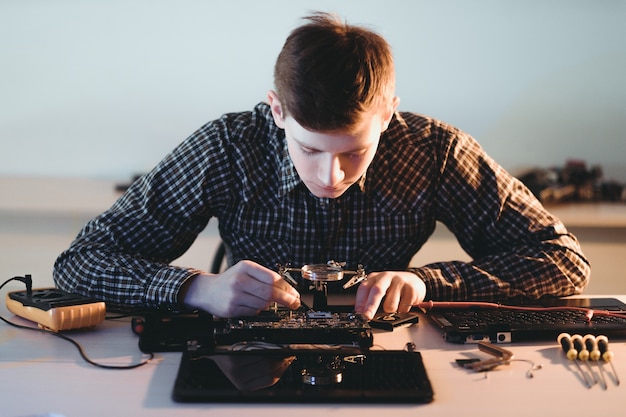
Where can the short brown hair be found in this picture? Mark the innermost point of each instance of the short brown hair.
(329, 73)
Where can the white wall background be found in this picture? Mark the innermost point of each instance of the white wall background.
(104, 89)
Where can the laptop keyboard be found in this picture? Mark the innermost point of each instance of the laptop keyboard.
(468, 319)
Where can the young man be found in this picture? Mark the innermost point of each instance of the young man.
(327, 169)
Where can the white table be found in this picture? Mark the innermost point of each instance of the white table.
(42, 374)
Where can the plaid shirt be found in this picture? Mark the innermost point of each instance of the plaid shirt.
(237, 169)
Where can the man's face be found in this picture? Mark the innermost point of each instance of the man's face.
(330, 162)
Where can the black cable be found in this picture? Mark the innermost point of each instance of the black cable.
(67, 338)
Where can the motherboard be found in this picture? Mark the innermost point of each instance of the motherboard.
(295, 327)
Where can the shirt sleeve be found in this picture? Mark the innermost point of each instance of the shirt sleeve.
(517, 247)
(123, 255)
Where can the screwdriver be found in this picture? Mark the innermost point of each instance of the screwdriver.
(606, 354)
(583, 354)
(565, 340)
(594, 354)
(287, 277)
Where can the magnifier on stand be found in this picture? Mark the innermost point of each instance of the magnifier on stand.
(320, 275)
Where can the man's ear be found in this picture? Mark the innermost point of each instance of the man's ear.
(277, 109)
(395, 102)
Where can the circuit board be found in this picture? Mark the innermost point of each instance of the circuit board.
(288, 327)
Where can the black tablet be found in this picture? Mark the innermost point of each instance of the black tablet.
(302, 376)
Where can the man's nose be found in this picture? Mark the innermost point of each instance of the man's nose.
(330, 171)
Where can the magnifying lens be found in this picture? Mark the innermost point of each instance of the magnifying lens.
(321, 272)
(329, 272)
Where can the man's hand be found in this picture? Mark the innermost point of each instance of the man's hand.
(400, 289)
(245, 289)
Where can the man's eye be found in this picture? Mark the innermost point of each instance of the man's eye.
(307, 151)
(356, 155)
